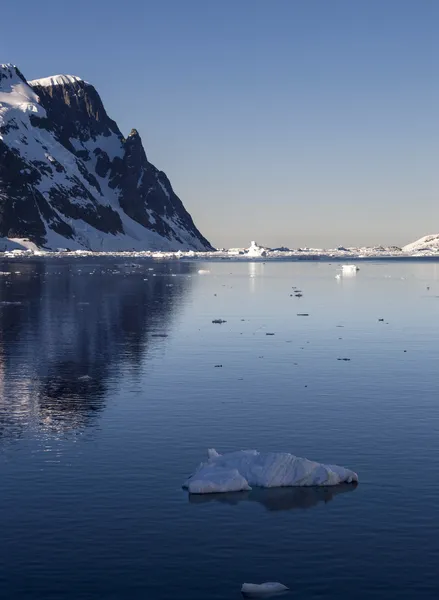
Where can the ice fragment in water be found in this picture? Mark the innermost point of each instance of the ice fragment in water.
(348, 269)
(263, 589)
(237, 471)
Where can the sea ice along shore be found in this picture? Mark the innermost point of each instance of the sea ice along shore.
(425, 247)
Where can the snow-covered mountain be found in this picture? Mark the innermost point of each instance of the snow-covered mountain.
(428, 244)
(69, 179)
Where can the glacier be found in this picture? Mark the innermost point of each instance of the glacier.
(238, 471)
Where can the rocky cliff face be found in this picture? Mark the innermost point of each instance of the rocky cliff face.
(68, 177)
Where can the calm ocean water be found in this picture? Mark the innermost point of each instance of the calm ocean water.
(110, 396)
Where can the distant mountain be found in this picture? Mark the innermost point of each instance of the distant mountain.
(69, 178)
(428, 243)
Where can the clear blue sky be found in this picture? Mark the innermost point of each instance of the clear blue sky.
(295, 122)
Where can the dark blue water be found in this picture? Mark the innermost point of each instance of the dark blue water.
(109, 397)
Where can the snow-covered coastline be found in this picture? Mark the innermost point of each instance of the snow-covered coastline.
(426, 247)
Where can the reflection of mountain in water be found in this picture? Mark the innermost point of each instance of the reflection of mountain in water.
(66, 328)
(275, 499)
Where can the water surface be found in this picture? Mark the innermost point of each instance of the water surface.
(111, 393)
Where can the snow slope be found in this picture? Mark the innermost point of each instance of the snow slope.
(427, 244)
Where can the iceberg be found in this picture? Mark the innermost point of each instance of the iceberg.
(255, 250)
(263, 589)
(349, 269)
(238, 471)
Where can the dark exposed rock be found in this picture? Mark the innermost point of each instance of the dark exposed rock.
(17, 190)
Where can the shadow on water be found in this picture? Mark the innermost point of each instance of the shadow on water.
(277, 499)
(67, 327)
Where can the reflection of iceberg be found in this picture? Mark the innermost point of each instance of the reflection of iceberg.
(277, 499)
(237, 471)
(270, 588)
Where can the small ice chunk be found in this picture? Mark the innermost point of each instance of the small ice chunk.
(263, 589)
(203, 271)
(349, 268)
(237, 471)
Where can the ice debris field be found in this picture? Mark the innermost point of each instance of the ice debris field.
(238, 471)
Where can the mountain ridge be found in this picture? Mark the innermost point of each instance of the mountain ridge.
(69, 178)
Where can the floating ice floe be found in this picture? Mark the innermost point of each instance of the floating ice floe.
(263, 589)
(238, 471)
(349, 269)
(203, 271)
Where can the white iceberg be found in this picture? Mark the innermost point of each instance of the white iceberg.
(255, 250)
(263, 589)
(349, 269)
(238, 471)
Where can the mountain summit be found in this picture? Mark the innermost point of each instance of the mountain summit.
(69, 178)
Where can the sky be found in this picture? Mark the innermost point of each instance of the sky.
(289, 122)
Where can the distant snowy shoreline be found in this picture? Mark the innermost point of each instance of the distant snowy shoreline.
(292, 256)
(426, 247)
